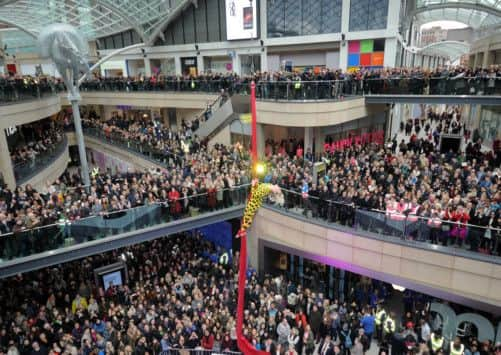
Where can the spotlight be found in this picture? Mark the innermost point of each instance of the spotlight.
(398, 287)
(260, 169)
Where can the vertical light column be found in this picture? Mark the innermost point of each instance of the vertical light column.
(345, 28)
(5, 161)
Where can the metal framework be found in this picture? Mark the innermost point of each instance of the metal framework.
(474, 13)
(94, 18)
(450, 49)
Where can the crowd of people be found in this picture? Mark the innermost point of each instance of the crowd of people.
(42, 140)
(185, 298)
(195, 176)
(309, 84)
(454, 197)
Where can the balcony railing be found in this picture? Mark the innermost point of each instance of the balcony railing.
(101, 225)
(19, 91)
(339, 89)
(449, 236)
(163, 158)
(26, 170)
(110, 85)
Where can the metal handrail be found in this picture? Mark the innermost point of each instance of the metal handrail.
(111, 213)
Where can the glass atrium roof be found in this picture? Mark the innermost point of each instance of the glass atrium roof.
(447, 49)
(95, 18)
(474, 13)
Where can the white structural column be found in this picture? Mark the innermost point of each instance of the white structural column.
(391, 43)
(177, 65)
(236, 63)
(308, 139)
(260, 140)
(488, 58)
(390, 52)
(264, 60)
(345, 28)
(264, 33)
(147, 67)
(200, 64)
(6, 162)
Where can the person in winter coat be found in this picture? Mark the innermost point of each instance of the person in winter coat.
(283, 331)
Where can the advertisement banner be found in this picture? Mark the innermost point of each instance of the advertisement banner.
(241, 19)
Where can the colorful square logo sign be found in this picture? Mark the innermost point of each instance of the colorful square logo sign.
(353, 60)
(366, 53)
(367, 46)
(354, 47)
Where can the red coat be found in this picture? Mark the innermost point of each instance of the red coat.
(175, 205)
(302, 318)
(208, 342)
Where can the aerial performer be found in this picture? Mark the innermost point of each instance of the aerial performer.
(259, 191)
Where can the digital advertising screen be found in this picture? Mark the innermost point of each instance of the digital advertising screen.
(241, 19)
(113, 278)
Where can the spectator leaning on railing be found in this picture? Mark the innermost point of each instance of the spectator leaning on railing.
(309, 84)
(448, 189)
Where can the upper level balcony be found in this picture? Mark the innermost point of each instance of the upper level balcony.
(417, 253)
(441, 90)
(24, 104)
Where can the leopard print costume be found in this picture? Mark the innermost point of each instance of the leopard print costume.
(258, 193)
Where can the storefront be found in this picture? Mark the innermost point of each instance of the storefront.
(189, 66)
(218, 64)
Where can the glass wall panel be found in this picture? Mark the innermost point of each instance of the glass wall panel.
(276, 18)
(368, 15)
(331, 16)
(303, 17)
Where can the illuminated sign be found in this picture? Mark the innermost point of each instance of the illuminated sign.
(241, 19)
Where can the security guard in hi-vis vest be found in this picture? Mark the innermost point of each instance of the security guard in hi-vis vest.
(380, 317)
(456, 348)
(297, 87)
(389, 326)
(436, 342)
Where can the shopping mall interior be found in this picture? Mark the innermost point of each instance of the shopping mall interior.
(286, 177)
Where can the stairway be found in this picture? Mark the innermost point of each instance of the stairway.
(223, 116)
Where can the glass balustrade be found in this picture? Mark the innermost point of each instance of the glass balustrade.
(67, 232)
(23, 171)
(14, 91)
(444, 235)
(342, 89)
(160, 157)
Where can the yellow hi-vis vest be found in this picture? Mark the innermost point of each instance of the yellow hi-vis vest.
(223, 259)
(192, 84)
(454, 351)
(436, 343)
(389, 325)
(297, 85)
(379, 316)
